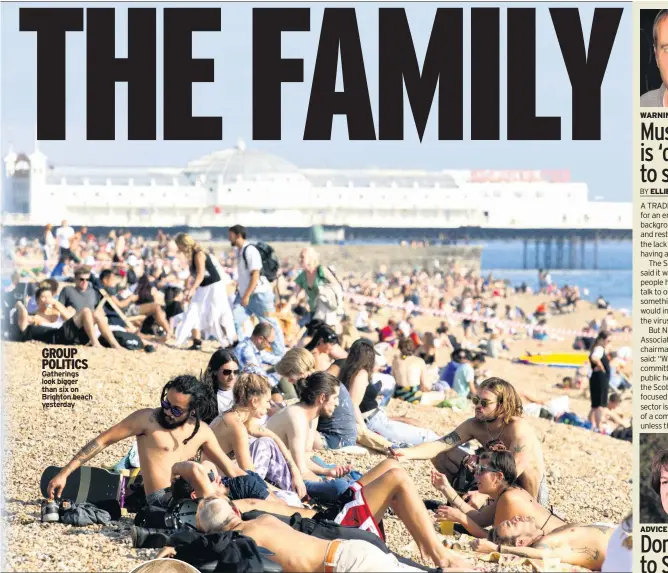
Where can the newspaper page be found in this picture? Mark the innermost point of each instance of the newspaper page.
(332, 287)
(650, 207)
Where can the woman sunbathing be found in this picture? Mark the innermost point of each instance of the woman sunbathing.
(495, 475)
(254, 447)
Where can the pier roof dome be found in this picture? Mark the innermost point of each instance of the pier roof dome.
(239, 164)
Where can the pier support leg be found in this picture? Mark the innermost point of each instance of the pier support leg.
(572, 254)
(548, 253)
(525, 247)
(560, 253)
(595, 252)
(583, 242)
(537, 253)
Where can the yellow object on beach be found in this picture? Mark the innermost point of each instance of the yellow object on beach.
(447, 527)
(564, 359)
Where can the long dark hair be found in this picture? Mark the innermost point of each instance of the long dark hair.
(200, 396)
(210, 379)
(143, 290)
(323, 334)
(361, 356)
(502, 461)
(311, 387)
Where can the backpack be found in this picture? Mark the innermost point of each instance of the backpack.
(270, 262)
(337, 288)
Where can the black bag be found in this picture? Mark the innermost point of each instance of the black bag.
(151, 517)
(127, 340)
(270, 262)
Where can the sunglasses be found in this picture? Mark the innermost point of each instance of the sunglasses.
(227, 372)
(177, 412)
(83, 279)
(484, 402)
(482, 469)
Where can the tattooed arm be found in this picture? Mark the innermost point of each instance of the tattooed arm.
(133, 425)
(579, 554)
(519, 446)
(430, 450)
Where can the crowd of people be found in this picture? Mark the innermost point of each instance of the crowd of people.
(300, 371)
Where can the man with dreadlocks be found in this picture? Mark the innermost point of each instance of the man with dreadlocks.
(166, 435)
(498, 416)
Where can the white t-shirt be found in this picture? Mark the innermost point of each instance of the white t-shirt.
(63, 236)
(225, 400)
(597, 353)
(249, 254)
(387, 381)
(618, 556)
(362, 320)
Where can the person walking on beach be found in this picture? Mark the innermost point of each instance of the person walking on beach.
(599, 380)
(209, 308)
(254, 293)
(320, 286)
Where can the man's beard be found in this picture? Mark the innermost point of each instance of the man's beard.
(323, 414)
(487, 419)
(169, 424)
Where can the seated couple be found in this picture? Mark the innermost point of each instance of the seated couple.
(498, 417)
(265, 452)
(387, 485)
(54, 323)
(359, 420)
(518, 520)
(167, 435)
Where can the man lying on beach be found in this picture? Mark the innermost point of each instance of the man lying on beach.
(169, 434)
(215, 514)
(498, 416)
(575, 544)
(386, 485)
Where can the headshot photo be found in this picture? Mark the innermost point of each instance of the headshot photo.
(653, 58)
(653, 478)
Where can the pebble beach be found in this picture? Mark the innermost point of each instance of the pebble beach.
(587, 473)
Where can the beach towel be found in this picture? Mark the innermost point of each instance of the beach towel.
(352, 510)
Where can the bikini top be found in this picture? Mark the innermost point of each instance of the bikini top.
(550, 509)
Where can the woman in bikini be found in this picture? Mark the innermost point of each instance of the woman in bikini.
(254, 447)
(495, 475)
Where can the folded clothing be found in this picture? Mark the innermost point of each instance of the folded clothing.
(82, 514)
(249, 486)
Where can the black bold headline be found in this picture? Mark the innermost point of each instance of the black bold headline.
(441, 67)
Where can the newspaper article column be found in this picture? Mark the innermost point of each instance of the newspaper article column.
(650, 300)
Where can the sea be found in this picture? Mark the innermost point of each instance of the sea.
(613, 279)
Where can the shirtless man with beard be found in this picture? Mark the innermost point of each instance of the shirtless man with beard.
(165, 436)
(498, 411)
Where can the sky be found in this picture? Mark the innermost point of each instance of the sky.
(606, 165)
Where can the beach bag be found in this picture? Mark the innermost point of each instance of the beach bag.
(270, 262)
(337, 289)
(127, 340)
